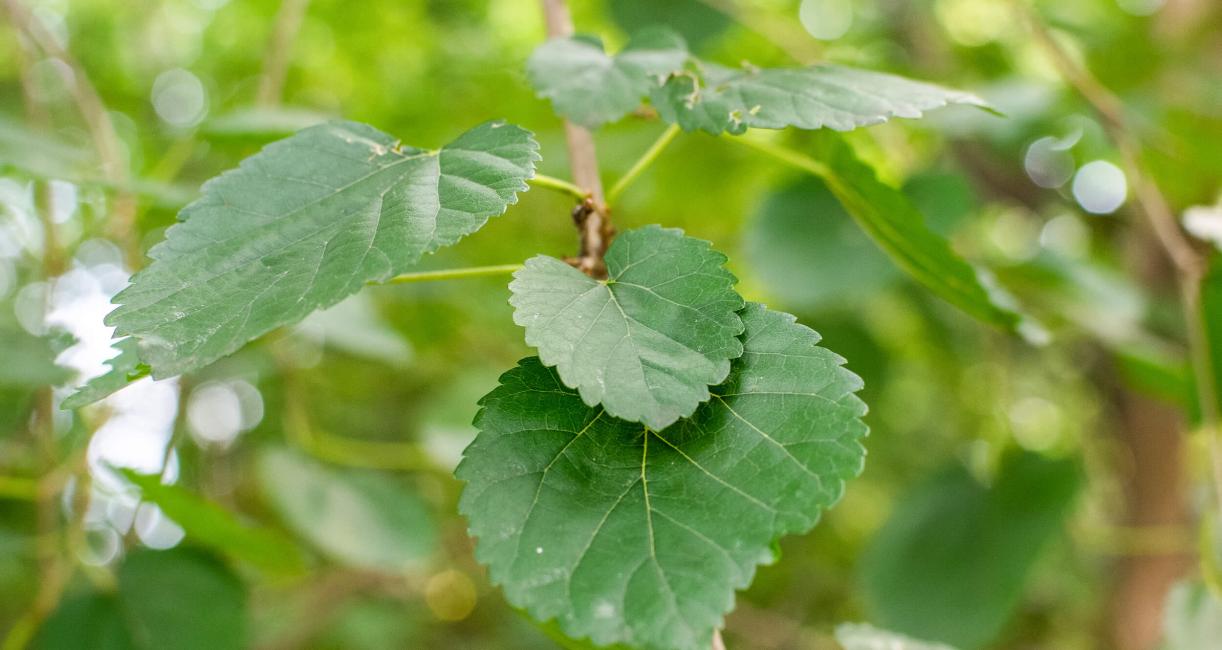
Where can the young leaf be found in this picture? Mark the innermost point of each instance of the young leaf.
(646, 343)
(362, 519)
(890, 219)
(125, 367)
(862, 636)
(714, 98)
(207, 523)
(590, 87)
(182, 599)
(629, 534)
(921, 574)
(306, 223)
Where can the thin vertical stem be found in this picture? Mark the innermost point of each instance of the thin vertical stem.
(279, 47)
(644, 162)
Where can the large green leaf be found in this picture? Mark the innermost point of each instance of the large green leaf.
(951, 562)
(647, 342)
(305, 223)
(628, 534)
(360, 518)
(715, 99)
(890, 219)
(207, 523)
(862, 636)
(589, 86)
(182, 599)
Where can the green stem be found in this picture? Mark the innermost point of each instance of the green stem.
(784, 154)
(454, 274)
(559, 185)
(644, 162)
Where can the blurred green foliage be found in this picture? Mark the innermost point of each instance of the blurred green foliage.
(376, 402)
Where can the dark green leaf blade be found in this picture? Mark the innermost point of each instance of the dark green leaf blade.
(625, 534)
(182, 599)
(890, 219)
(363, 519)
(590, 87)
(648, 342)
(716, 99)
(951, 534)
(305, 223)
(92, 620)
(207, 523)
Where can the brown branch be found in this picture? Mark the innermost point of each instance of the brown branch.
(279, 47)
(592, 217)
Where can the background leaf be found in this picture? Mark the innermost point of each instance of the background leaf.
(207, 523)
(888, 217)
(630, 535)
(1193, 617)
(361, 518)
(305, 223)
(182, 599)
(717, 99)
(589, 86)
(647, 342)
(951, 562)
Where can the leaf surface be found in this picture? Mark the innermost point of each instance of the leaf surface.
(646, 343)
(590, 87)
(717, 99)
(360, 518)
(895, 225)
(182, 599)
(631, 535)
(207, 523)
(305, 223)
(923, 573)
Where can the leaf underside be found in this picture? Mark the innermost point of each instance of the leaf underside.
(648, 342)
(125, 367)
(628, 534)
(306, 223)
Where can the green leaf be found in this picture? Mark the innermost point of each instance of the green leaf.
(951, 562)
(90, 620)
(890, 219)
(182, 599)
(715, 99)
(125, 368)
(808, 253)
(208, 524)
(862, 636)
(647, 342)
(29, 361)
(628, 534)
(361, 518)
(696, 21)
(305, 223)
(590, 87)
(1193, 617)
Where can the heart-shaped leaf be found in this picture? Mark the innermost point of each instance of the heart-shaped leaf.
(628, 534)
(647, 342)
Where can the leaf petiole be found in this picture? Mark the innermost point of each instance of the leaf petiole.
(644, 162)
(453, 274)
(558, 185)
